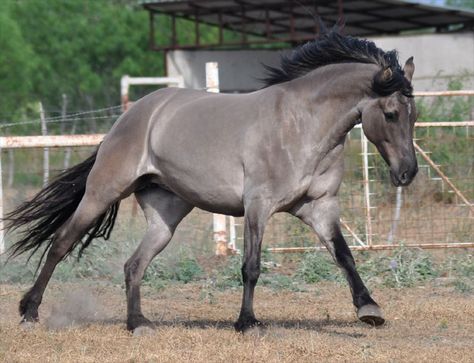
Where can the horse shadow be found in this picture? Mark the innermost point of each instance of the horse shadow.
(332, 327)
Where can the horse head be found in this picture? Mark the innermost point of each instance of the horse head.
(388, 122)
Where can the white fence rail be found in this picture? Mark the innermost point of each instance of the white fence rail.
(20, 142)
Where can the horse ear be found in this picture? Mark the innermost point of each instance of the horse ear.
(409, 68)
(387, 74)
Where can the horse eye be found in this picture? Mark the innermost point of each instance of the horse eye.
(390, 116)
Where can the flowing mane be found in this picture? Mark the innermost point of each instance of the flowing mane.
(331, 47)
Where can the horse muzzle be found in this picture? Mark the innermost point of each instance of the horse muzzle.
(404, 175)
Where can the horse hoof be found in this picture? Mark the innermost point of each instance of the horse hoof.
(143, 331)
(244, 326)
(371, 314)
(138, 321)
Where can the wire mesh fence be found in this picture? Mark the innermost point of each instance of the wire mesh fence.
(436, 210)
(430, 211)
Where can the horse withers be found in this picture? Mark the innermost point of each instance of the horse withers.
(279, 149)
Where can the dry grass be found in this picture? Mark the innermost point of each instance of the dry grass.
(430, 324)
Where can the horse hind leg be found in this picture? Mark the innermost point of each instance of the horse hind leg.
(163, 211)
(89, 209)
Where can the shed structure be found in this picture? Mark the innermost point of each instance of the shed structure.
(440, 38)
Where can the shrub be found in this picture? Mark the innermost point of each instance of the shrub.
(315, 267)
(230, 275)
(277, 281)
(187, 269)
(407, 267)
(183, 269)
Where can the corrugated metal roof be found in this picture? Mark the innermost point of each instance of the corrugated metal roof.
(293, 21)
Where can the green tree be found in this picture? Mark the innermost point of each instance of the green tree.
(84, 47)
(17, 62)
(468, 4)
(78, 48)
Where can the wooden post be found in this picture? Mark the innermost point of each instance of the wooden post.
(11, 168)
(44, 132)
(124, 85)
(365, 170)
(218, 220)
(232, 236)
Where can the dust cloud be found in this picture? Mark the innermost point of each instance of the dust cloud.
(75, 309)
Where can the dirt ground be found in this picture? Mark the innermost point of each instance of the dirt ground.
(194, 323)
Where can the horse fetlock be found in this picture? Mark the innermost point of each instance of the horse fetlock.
(363, 299)
(28, 307)
(246, 323)
(135, 321)
(29, 315)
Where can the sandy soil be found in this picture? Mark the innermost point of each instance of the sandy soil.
(85, 323)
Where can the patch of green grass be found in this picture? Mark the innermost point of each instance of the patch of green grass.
(464, 286)
(400, 268)
(317, 266)
(278, 281)
(371, 268)
(187, 269)
(181, 268)
(16, 272)
(157, 275)
(230, 275)
(403, 267)
(460, 265)
(409, 267)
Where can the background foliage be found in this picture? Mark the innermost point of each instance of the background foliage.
(77, 48)
(81, 48)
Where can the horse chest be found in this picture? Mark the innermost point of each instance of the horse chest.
(327, 177)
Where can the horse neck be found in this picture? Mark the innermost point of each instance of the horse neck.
(331, 95)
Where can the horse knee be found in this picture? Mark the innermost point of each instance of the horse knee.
(250, 272)
(131, 270)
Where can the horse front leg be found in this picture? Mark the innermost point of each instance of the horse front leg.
(323, 216)
(256, 216)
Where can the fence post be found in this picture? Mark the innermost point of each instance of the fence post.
(365, 172)
(124, 86)
(44, 132)
(219, 220)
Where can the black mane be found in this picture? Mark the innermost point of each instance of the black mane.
(332, 47)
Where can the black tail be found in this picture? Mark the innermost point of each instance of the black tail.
(39, 218)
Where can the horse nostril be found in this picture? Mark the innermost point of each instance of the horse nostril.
(404, 177)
